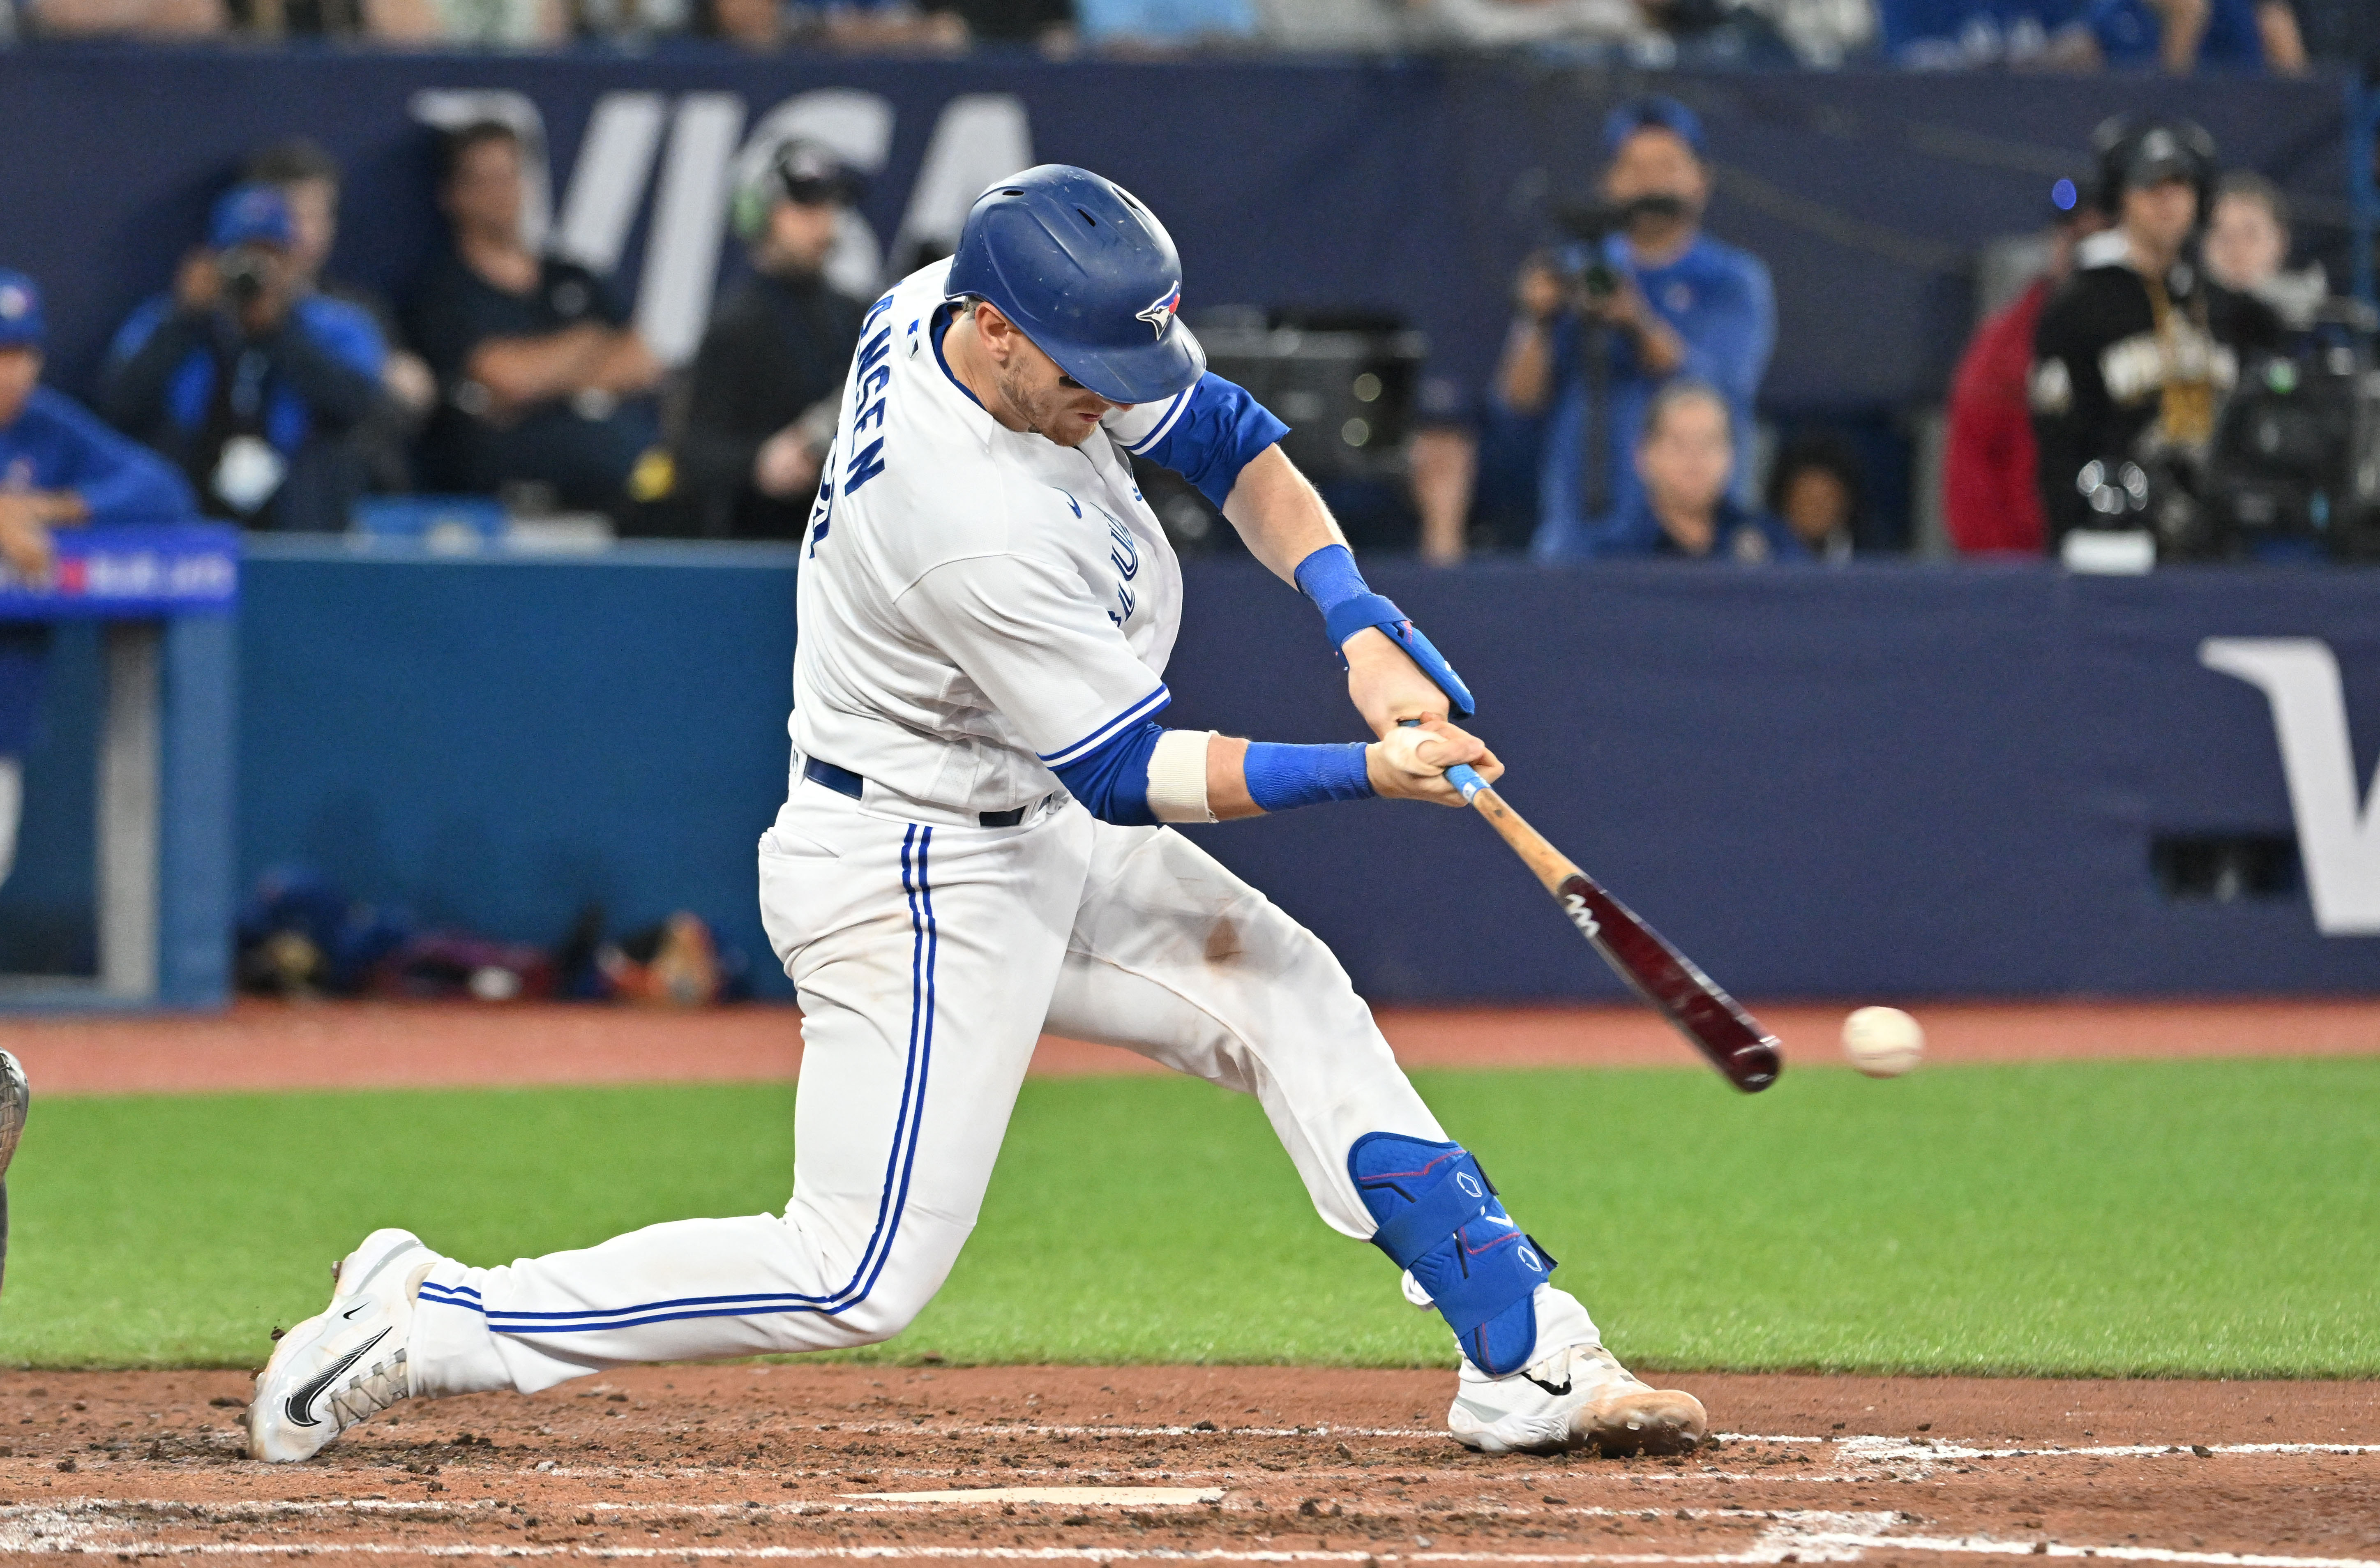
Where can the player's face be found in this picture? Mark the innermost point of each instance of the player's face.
(21, 372)
(1051, 402)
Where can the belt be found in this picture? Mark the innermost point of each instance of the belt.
(843, 781)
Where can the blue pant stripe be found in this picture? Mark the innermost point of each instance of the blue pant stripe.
(900, 1165)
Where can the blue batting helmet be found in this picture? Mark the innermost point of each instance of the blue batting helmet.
(1086, 273)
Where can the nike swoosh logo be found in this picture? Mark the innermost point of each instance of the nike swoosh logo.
(1550, 1388)
(300, 1405)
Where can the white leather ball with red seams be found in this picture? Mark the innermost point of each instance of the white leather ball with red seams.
(1883, 1042)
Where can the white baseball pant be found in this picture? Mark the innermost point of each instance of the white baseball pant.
(929, 958)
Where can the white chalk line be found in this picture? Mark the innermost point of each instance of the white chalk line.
(1849, 1548)
(1864, 1443)
(1807, 1535)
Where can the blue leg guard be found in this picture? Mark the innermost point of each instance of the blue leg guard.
(1439, 1218)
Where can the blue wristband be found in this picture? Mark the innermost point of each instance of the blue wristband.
(1348, 604)
(1329, 577)
(1282, 778)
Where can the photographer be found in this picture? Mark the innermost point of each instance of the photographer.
(1642, 297)
(249, 383)
(761, 400)
(2134, 353)
(311, 182)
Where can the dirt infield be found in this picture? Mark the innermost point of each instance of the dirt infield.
(1219, 1464)
(263, 1045)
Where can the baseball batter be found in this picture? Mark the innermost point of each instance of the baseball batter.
(972, 851)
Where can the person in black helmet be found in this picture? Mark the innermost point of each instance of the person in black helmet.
(760, 401)
(2133, 355)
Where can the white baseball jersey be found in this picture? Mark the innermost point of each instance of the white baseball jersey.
(976, 605)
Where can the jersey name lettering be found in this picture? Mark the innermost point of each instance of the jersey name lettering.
(870, 377)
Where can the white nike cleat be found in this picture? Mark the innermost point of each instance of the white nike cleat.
(15, 1096)
(1579, 1397)
(331, 1371)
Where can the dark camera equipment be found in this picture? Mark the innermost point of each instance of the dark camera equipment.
(246, 271)
(2296, 452)
(1344, 381)
(1582, 261)
(2158, 494)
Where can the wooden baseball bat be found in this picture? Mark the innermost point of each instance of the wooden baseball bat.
(1745, 1054)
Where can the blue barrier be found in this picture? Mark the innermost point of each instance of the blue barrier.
(160, 716)
(1870, 782)
(1857, 783)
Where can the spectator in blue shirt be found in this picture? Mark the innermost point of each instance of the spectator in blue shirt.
(249, 381)
(2186, 35)
(1599, 335)
(1686, 459)
(60, 467)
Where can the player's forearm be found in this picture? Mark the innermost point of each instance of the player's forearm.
(1279, 514)
(1199, 776)
(1227, 780)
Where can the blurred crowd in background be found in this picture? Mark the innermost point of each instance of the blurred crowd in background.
(1620, 422)
(2179, 35)
(1622, 419)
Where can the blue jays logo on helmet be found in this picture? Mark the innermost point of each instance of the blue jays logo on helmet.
(1161, 311)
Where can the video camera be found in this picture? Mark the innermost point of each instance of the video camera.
(246, 271)
(2296, 451)
(1580, 262)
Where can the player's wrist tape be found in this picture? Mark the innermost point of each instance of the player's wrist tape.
(1282, 778)
(1329, 577)
(1177, 777)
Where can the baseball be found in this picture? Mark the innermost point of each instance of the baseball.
(1883, 1042)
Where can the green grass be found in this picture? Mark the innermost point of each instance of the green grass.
(2186, 1218)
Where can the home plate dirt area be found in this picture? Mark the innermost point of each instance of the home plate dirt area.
(1118, 1465)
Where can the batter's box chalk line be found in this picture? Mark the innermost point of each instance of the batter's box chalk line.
(1807, 1535)
(1074, 1496)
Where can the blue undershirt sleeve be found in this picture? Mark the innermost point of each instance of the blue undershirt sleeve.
(1216, 431)
(1111, 779)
